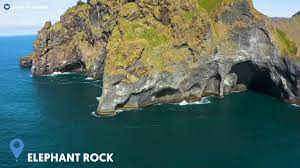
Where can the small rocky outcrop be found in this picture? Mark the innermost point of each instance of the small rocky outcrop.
(26, 62)
(151, 51)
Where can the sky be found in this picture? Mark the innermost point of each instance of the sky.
(28, 16)
(277, 8)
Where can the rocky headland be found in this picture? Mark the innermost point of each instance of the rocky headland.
(166, 51)
(297, 14)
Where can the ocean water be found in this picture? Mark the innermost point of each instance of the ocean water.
(54, 114)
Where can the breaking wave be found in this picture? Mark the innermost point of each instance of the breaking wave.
(202, 101)
(59, 73)
(89, 78)
(94, 114)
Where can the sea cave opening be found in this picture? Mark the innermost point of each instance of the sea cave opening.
(257, 79)
(78, 66)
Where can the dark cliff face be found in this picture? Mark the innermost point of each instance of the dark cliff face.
(297, 14)
(168, 51)
(75, 44)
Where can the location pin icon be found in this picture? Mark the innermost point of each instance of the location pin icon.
(16, 147)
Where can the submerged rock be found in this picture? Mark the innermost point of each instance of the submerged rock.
(168, 51)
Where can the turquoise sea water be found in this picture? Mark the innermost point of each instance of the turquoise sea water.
(53, 114)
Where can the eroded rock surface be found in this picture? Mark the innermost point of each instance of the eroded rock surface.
(77, 43)
(167, 51)
(26, 62)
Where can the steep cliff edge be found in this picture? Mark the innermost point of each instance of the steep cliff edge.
(77, 43)
(289, 32)
(297, 14)
(152, 51)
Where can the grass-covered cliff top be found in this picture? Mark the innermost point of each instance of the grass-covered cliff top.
(288, 35)
(208, 5)
(213, 5)
(157, 35)
(288, 46)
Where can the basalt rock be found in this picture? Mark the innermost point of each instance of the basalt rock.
(77, 43)
(168, 51)
(26, 62)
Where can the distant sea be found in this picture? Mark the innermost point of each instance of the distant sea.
(54, 114)
(6, 31)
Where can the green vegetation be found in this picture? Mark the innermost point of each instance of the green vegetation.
(81, 10)
(57, 26)
(150, 44)
(137, 37)
(154, 37)
(30, 56)
(93, 2)
(129, 9)
(287, 46)
(190, 15)
(212, 5)
(137, 30)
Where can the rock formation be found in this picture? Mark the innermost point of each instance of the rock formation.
(288, 31)
(297, 14)
(166, 51)
(77, 43)
(26, 62)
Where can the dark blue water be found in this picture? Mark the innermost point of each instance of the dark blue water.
(53, 114)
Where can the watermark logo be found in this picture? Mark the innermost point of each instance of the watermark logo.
(16, 146)
(6, 6)
(25, 6)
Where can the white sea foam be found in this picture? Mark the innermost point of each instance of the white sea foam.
(295, 105)
(95, 114)
(183, 103)
(59, 73)
(119, 111)
(202, 101)
(89, 78)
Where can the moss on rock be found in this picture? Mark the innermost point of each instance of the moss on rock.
(287, 46)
